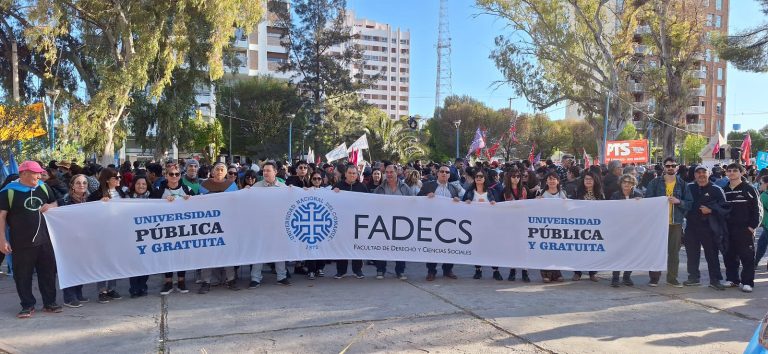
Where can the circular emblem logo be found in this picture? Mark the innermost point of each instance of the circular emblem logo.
(311, 220)
(33, 203)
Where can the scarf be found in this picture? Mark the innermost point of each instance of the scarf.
(75, 199)
(216, 187)
(17, 186)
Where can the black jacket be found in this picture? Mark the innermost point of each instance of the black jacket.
(157, 193)
(356, 187)
(610, 185)
(431, 187)
(470, 195)
(745, 205)
(712, 197)
(618, 195)
(97, 195)
(298, 182)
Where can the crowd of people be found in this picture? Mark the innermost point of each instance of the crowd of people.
(718, 210)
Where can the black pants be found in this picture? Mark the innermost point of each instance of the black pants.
(313, 265)
(180, 274)
(39, 259)
(138, 284)
(341, 266)
(381, 267)
(591, 273)
(698, 236)
(432, 268)
(741, 249)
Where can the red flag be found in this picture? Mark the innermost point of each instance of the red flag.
(716, 150)
(513, 133)
(353, 156)
(746, 149)
(587, 158)
(492, 150)
(318, 161)
(531, 156)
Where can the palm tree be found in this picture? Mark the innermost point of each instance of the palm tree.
(392, 139)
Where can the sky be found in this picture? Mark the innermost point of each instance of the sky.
(474, 74)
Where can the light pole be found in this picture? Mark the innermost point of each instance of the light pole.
(456, 123)
(290, 136)
(52, 94)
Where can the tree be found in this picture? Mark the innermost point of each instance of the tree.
(473, 114)
(392, 139)
(759, 139)
(692, 146)
(113, 47)
(748, 49)
(629, 133)
(321, 51)
(562, 51)
(206, 137)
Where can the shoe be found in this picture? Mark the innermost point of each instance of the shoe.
(690, 282)
(359, 275)
(167, 289)
(253, 284)
(730, 284)
(320, 273)
(114, 295)
(546, 280)
(338, 276)
(284, 281)
(311, 276)
(104, 298)
(52, 308)
(73, 304)
(300, 270)
(628, 282)
(145, 293)
(379, 275)
(653, 283)
(526, 279)
(450, 275)
(512, 275)
(576, 277)
(430, 277)
(25, 312)
(232, 285)
(615, 283)
(746, 289)
(674, 283)
(717, 286)
(134, 295)
(84, 300)
(478, 274)
(182, 286)
(594, 278)
(205, 287)
(497, 275)
(402, 276)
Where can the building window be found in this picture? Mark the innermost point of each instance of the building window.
(719, 73)
(393, 98)
(719, 108)
(392, 107)
(403, 108)
(403, 88)
(392, 78)
(719, 91)
(394, 50)
(393, 88)
(718, 21)
(718, 5)
(708, 55)
(393, 59)
(403, 51)
(709, 20)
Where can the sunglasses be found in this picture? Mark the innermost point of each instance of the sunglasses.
(479, 176)
(515, 176)
(317, 179)
(171, 174)
(117, 177)
(302, 167)
(443, 171)
(670, 166)
(250, 177)
(232, 173)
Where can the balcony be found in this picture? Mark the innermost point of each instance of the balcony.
(647, 106)
(699, 74)
(643, 30)
(696, 110)
(699, 92)
(636, 87)
(695, 127)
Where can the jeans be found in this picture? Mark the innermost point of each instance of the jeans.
(698, 236)
(762, 243)
(741, 250)
(73, 293)
(432, 268)
(205, 274)
(341, 266)
(673, 254)
(107, 285)
(27, 261)
(381, 267)
(282, 273)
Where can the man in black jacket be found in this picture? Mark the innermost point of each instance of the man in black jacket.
(742, 222)
(706, 207)
(443, 189)
(350, 183)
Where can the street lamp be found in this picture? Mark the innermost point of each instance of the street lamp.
(290, 136)
(456, 123)
(52, 94)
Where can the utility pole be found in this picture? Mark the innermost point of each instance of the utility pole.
(443, 82)
(456, 123)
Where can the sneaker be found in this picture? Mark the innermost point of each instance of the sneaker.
(232, 285)
(430, 277)
(717, 286)
(25, 312)
(73, 304)
(338, 276)
(512, 275)
(135, 295)
(402, 276)
(114, 295)
(320, 273)
(311, 276)
(576, 277)
(182, 287)
(284, 281)
(359, 275)
(746, 288)
(674, 283)
(594, 278)
(690, 282)
(167, 289)
(478, 274)
(104, 298)
(52, 308)
(450, 275)
(526, 278)
(628, 282)
(653, 283)
(205, 287)
(615, 283)
(497, 275)
(379, 275)
(730, 284)
(253, 284)
(84, 300)
(300, 270)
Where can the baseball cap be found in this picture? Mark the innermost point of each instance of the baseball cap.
(700, 167)
(30, 166)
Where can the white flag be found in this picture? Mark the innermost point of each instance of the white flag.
(339, 152)
(359, 144)
(310, 156)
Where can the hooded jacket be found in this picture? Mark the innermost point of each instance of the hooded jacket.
(658, 188)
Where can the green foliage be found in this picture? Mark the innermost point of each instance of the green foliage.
(748, 49)
(691, 148)
(392, 139)
(759, 139)
(629, 133)
(206, 137)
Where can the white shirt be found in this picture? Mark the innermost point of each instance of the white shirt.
(442, 191)
(480, 197)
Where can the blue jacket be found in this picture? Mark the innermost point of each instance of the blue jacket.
(470, 194)
(657, 188)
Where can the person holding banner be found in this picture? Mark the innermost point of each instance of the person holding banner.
(588, 188)
(190, 179)
(479, 192)
(170, 189)
(351, 183)
(392, 186)
(743, 221)
(218, 183)
(441, 188)
(78, 193)
(301, 178)
(269, 171)
(553, 191)
(139, 190)
(109, 188)
(515, 189)
(626, 191)
(22, 204)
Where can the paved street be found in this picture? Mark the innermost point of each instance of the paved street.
(369, 315)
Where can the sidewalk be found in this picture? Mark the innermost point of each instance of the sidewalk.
(369, 315)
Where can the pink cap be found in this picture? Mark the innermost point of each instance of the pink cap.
(30, 166)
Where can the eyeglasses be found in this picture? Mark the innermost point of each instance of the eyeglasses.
(81, 183)
(627, 182)
(515, 176)
(171, 174)
(117, 177)
(302, 167)
(250, 177)
(317, 179)
(443, 171)
(232, 173)
(479, 176)
(733, 171)
(670, 166)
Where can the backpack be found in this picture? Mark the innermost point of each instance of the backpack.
(11, 193)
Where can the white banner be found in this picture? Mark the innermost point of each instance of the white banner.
(123, 238)
(338, 152)
(359, 144)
